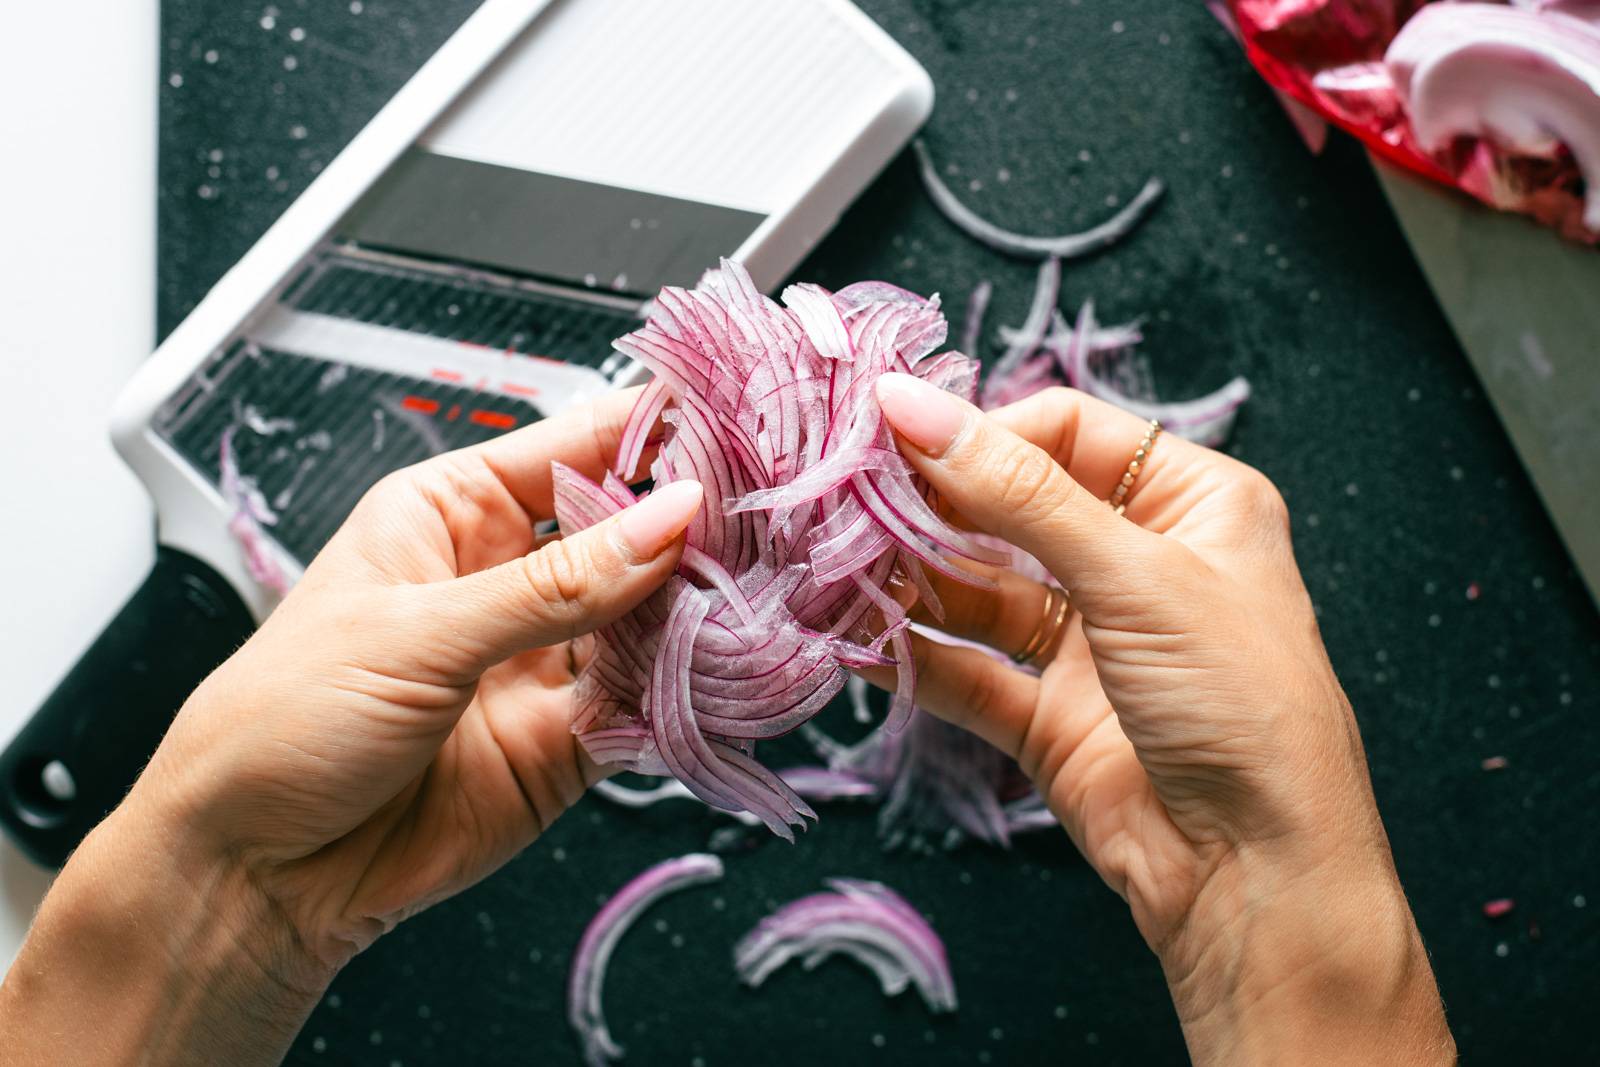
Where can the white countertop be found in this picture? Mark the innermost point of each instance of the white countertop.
(77, 314)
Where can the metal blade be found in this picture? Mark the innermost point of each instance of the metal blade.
(1525, 305)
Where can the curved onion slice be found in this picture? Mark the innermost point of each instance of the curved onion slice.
(866, 921)
(1207, 419)
(1064, 246)
(936, 780)
(1525, 81)
(972, 324)
(813, 783)
(810, 512)
(587, 979)
(250, 513)
(1046, 292)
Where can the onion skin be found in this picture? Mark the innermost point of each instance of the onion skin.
(250, 513)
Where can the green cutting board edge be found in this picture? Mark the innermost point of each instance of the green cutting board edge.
(1526, 307)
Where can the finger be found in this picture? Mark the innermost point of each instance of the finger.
(1014, 489)
(1092, 440)
(566, 588)
(1008, 617)
(584, 438)
(969, 689)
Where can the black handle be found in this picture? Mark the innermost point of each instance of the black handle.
(76, 758)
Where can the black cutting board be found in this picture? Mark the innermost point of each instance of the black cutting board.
(1451, 611)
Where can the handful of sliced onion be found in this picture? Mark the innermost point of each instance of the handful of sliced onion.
(810, 513)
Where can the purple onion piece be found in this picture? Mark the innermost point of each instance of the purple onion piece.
(1207, 419)
(1029, 815)
(1046, 291)
(587, 978)
(1064, 246)
(866, 921)
(972, 324)
(809, 509)
(250, 513)
(817, 783)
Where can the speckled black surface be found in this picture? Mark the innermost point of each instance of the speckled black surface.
(1451, 611)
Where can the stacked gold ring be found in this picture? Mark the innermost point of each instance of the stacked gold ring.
(1057, 606)
(1119, 495)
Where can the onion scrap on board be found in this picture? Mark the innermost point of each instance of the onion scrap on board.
(587, 978)
(866, 921)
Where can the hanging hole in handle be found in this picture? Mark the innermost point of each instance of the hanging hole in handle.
(42, 789)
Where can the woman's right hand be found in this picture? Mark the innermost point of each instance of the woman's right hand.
(1189, 732)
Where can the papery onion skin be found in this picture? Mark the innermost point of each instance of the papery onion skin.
(586, 980)
(866, 921)
(809, 513)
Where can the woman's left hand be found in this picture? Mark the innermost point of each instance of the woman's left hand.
(397, 729)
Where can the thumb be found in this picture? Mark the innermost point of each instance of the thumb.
(568, 587)
(1009, 487)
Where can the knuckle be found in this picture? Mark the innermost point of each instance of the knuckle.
(1026, 482)
(1266, 503)
(391, 488)
(559, 578)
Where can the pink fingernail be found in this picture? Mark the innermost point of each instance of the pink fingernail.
(925, 415)
(651, 525)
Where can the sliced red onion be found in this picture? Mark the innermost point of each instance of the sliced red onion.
(587, 979)
(1101, 340)
(1207, 419)
(1064, 246)
(1029, 815)
(1046, 292)
(1525, 81)
(809, 510)
(250, 513)
(936, 780)
(821, 784)
(646, 413)
(972, 324)
(867, 921)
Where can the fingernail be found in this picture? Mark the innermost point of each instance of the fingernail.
(925, 415)
(654, 522)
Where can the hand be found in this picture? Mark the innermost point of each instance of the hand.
(398, 727)
(1188, 732)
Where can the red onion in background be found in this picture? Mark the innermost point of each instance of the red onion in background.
(867, 921)
(587, 978)
(1500, 101)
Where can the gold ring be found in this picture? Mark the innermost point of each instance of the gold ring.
(1057, 605)
(1119, 495)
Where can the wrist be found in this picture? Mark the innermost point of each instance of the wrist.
(1326, 967)
(177, 955)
